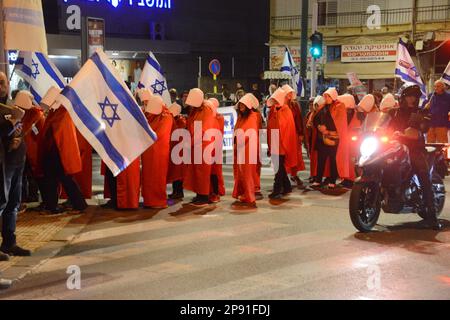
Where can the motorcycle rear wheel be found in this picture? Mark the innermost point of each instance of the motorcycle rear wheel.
(364, 208)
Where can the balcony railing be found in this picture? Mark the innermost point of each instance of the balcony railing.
(359, 19)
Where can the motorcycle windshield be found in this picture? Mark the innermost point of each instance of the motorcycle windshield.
(376, 121)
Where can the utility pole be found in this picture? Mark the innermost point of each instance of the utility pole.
(304, 46)
(315, 12)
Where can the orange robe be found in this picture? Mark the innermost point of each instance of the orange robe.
(353, 127)
(155, 161)
(128, 186)
(32, 124)
(175, 172)
(339, 115)
(246, 177)
(216, 168)
(197, 176)
(84, 178)
(298, 120)
(282, 119)
(59, 130)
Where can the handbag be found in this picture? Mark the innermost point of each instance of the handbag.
(331, 139)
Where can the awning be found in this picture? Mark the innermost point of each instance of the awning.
(276, 75)
(366, 71)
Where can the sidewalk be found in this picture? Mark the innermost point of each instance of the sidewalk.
(45, 236)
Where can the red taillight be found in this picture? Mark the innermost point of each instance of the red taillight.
(354, 138)
(384, 139)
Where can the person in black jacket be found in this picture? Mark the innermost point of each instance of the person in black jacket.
(12, 157)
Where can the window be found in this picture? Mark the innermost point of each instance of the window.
(327, 13)
(333, 53)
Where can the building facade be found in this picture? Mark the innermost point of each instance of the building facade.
(361, 36)
(185, 35)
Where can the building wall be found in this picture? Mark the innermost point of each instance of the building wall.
(208, 29)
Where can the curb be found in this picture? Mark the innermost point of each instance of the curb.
(59, 241)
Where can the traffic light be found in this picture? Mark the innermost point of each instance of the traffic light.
(316, 46)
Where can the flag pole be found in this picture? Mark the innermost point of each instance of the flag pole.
(3, 55)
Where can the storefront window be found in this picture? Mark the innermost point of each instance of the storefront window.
(333, 53)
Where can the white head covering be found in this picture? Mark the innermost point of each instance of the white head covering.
(367, 103)
(319, 101)
(255, 102)
(24, 100)
(145, 94)
(175, 109)
(332, 92)
(249, 101)
(195, 98)
(50, 97)
(388, 103)
(278, 96)
(348, 100)
(154, 105)
(287, 88)
(215, 102)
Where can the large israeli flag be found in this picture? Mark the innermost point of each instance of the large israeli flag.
(36, 69)
(446, 75)
(407, 71)
(152, 77)
(105, 112)
(290, 68)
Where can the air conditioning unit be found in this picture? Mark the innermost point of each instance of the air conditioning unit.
(157, 31)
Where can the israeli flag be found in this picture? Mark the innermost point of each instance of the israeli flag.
(446, 75)
(152, 77)
(36, 69)
(290, 68)
(106, 114)
(407, 71)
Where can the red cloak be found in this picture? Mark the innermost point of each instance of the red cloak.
(59, 130)
(339, 115)
(128, 186)
(155, 161)
(353, 127)
(175, 172)
(246, 177)
(32, 124)
(197, 176)
(298, 120)
(216, 168)
(281, 118)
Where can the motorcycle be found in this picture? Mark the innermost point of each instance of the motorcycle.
(387, 181)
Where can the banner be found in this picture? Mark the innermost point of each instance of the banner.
(230, 117)
(24, 27)
(369, 52)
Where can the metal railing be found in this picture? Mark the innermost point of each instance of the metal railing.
(359, 19)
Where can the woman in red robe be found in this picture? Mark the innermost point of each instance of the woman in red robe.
(332, 125)
(283, 151)
(246, 152)
(292, 103)
(217, 180)
(155, 160)
(32, 125)
(124, 190)
(175, 172)
(59, 158)
(198, 173)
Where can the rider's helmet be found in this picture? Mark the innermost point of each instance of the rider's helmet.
(410, 90)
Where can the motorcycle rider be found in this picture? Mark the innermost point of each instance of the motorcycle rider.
(413, 137)
(409, 104)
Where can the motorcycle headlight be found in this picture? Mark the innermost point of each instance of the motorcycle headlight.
(369, 147)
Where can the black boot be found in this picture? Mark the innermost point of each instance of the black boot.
(16, 251)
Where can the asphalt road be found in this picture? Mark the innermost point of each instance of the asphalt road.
(302, 248)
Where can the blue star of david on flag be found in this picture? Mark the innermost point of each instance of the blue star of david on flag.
(161, 85)
(110, 119)
(36, 72)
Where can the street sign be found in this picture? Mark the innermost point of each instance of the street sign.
(215, 67)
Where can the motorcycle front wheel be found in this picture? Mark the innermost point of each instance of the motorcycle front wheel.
(365, 206)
